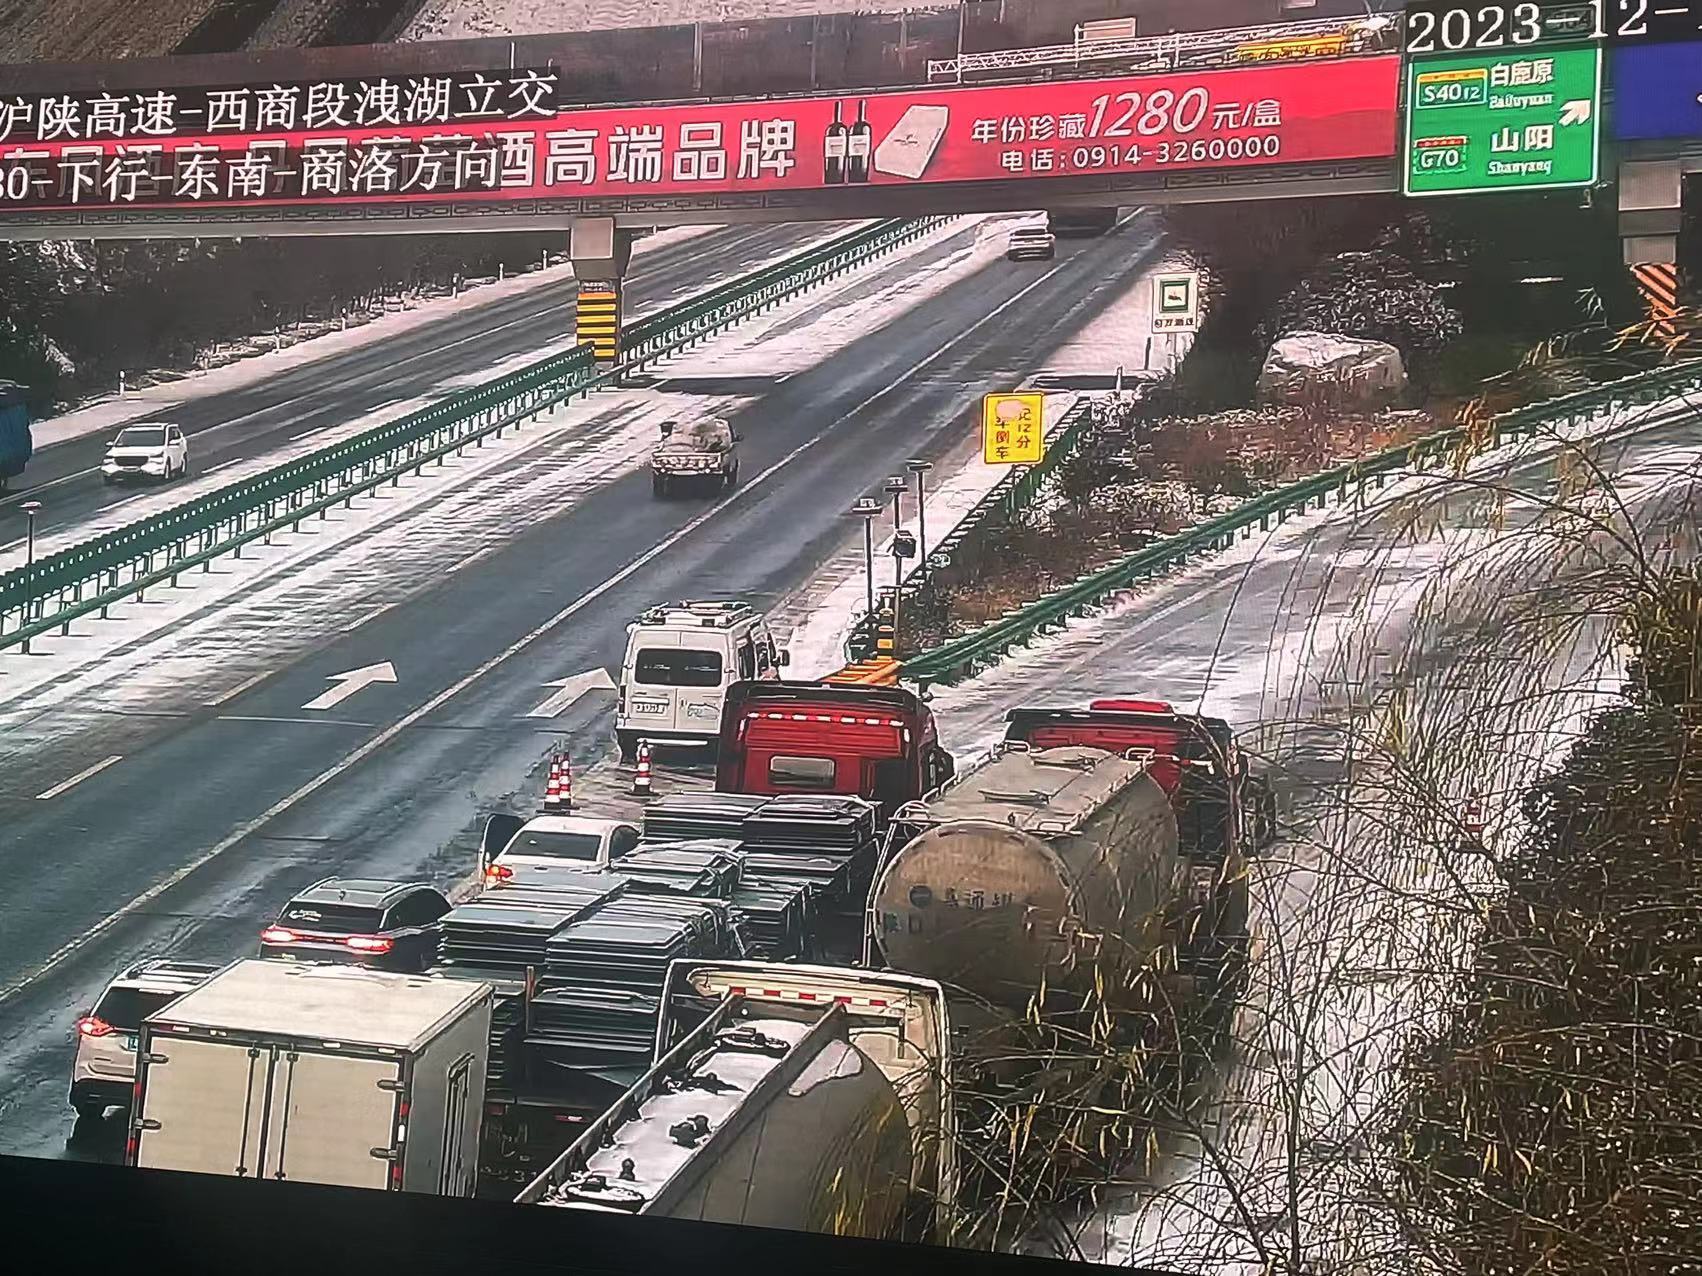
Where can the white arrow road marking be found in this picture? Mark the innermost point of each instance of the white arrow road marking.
(1576, 112)
(351, 682)
(571, 689)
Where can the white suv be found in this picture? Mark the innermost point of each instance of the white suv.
(679, 662)
(153, 449)
(103, 1070)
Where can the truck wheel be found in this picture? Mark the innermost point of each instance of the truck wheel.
(628, 743)
(731, 480)
(659, 486)
(88, 1109)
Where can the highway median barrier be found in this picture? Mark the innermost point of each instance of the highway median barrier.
(972, 653)
(90, 577)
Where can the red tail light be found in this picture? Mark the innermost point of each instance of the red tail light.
(130, 1146)
(89, 1026)
(498, 873)
(369, 943)
(402, 1110)
(278, 935)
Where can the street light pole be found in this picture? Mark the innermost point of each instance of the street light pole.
(31, 509)
(897, 486)
(867, 509)
(920, 470)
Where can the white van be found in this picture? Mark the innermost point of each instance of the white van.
(680, 660)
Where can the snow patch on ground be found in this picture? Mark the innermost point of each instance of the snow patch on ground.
(157, 400)
(1357, 940)
(467, 19)
(774, 346)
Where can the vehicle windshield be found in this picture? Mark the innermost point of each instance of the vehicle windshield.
(555, 846)
(706, 434)
(678, 667)
(125, 1008)
(141, 436)
(332, 919)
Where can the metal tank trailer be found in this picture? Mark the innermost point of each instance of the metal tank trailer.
(1046, 890)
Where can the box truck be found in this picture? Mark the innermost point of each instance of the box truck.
(318, 1074)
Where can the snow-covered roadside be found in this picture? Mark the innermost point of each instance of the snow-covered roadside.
(1265, 633)
(116, 410)
(219, 627)
(468, 19)
(818, 618)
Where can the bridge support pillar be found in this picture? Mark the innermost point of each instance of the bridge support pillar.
(600, 253)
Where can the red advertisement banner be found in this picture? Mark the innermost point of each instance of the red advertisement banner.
(1261, 115)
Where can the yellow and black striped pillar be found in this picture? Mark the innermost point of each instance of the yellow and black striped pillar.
(597, 319)
(1658, 282)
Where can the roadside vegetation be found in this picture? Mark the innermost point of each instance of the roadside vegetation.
(1491, 305)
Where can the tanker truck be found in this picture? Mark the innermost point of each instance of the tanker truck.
(1090, 962)
(801, 1097)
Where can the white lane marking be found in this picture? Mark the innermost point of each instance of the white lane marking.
(240, 687)
(384, 737)
(355, 680)
(312, 722)
(367, 619)
(77, 779)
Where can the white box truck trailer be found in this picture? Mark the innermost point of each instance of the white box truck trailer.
(317, 1074)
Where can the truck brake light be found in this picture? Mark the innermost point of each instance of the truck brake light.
(369, 943)
(498, 873)
(89, 1026)
(278, 935)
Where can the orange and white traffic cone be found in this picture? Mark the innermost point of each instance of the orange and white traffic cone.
(641, 777)
(567, 784)
(552, 790)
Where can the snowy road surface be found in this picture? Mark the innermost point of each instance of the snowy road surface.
(303, 401)
(1476, 643)
(214, 813)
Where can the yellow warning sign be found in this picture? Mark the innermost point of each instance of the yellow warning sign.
(1013, 429)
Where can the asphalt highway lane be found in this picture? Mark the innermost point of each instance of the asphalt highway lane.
(343, 387)
(189, 845)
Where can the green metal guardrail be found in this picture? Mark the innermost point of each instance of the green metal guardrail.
(95, 574)
(1012, 494)
(965, 656)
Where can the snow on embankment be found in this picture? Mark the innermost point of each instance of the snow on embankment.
(466, 19)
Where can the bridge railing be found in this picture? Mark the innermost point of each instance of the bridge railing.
(963, 657)
(91, 576)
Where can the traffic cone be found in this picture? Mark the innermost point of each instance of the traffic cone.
(641, 777)
(552, 790)
(567, 784)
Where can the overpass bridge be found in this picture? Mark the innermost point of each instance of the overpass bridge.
(520, 134)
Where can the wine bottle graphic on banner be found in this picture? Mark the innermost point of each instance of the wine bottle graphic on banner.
(859, 145)
(834, 169)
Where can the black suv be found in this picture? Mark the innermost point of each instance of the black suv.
(386, 925)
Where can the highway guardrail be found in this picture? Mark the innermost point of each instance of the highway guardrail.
(965, 656)
(91, 576)
(998, 508)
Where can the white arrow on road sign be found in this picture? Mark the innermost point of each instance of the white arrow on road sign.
(571, 689)
(351, 682)
(1577, 112)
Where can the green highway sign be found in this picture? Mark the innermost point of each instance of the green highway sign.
(1477, 122)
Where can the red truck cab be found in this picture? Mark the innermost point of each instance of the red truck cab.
(1194, 758)
(879, 743)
